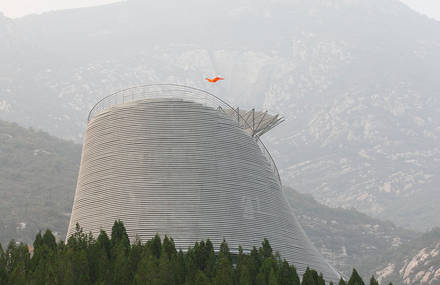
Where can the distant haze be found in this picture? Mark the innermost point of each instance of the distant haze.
(19, 8)
(431, 8)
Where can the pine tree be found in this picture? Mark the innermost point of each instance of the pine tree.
(355, 279)
(197, 254)
(211, 260)
(321, 280)
(17, 261)
(80, 267)
(224, 251)
(295, 276)
(245, 276)
(103, 242)
(99, 264)
(191, 266)
(342, 282)
(253, 264)
(224, 273)
(134, 257)
(168, 247)
(273, 280)
(148, 269)
(180, 268)
(121, 274)
(119, 235)
(260, 279)
(49, 240)
(68, 274)
(288, 274)
(373, 281)
(18, 275)
(166, 270)
(155, 245)
(267, 268)
(38, 241)
(266, 249)
(51, 274)
(3, 273)
(310, 277)
(78, 240)
(201, 279)
(38, 276)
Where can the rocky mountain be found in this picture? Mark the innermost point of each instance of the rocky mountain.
(417, 262)
(356, 81)
(350, 239)
(37, 182)
(346, 237)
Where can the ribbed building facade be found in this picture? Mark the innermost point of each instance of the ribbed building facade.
(177, 161)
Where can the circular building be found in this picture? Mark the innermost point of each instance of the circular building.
(178, 161)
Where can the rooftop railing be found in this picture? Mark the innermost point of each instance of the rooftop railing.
(175, 91)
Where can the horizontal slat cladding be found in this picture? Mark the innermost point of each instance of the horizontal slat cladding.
(182, 169)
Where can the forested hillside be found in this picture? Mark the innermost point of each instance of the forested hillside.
(38, 178)
(37, 182)
(345, 236)
(350, 239)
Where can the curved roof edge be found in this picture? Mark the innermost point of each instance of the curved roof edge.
(254, 123)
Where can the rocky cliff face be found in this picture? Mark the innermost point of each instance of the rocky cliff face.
(346, 237)
(356, 81)
(417, 262)
(350, 239)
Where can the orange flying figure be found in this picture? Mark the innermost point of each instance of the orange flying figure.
(213, 80)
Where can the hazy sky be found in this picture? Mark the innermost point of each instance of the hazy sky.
(17, 8)
(430, 8)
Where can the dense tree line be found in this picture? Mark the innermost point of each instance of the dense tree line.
(113, 260)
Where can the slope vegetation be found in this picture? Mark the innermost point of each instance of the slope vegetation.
(37, 182)
(417, 262)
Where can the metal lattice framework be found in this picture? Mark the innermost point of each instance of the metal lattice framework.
(256, 123)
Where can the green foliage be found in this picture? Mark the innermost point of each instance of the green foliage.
(266, 249)
(224, 272)
(311, 277)
(373, 281)
(38, 175)
(201, 279)
(224, 251)
(86, 260)
(119, 235)
(355, 279)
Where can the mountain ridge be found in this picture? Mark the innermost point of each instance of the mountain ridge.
(355, 80)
